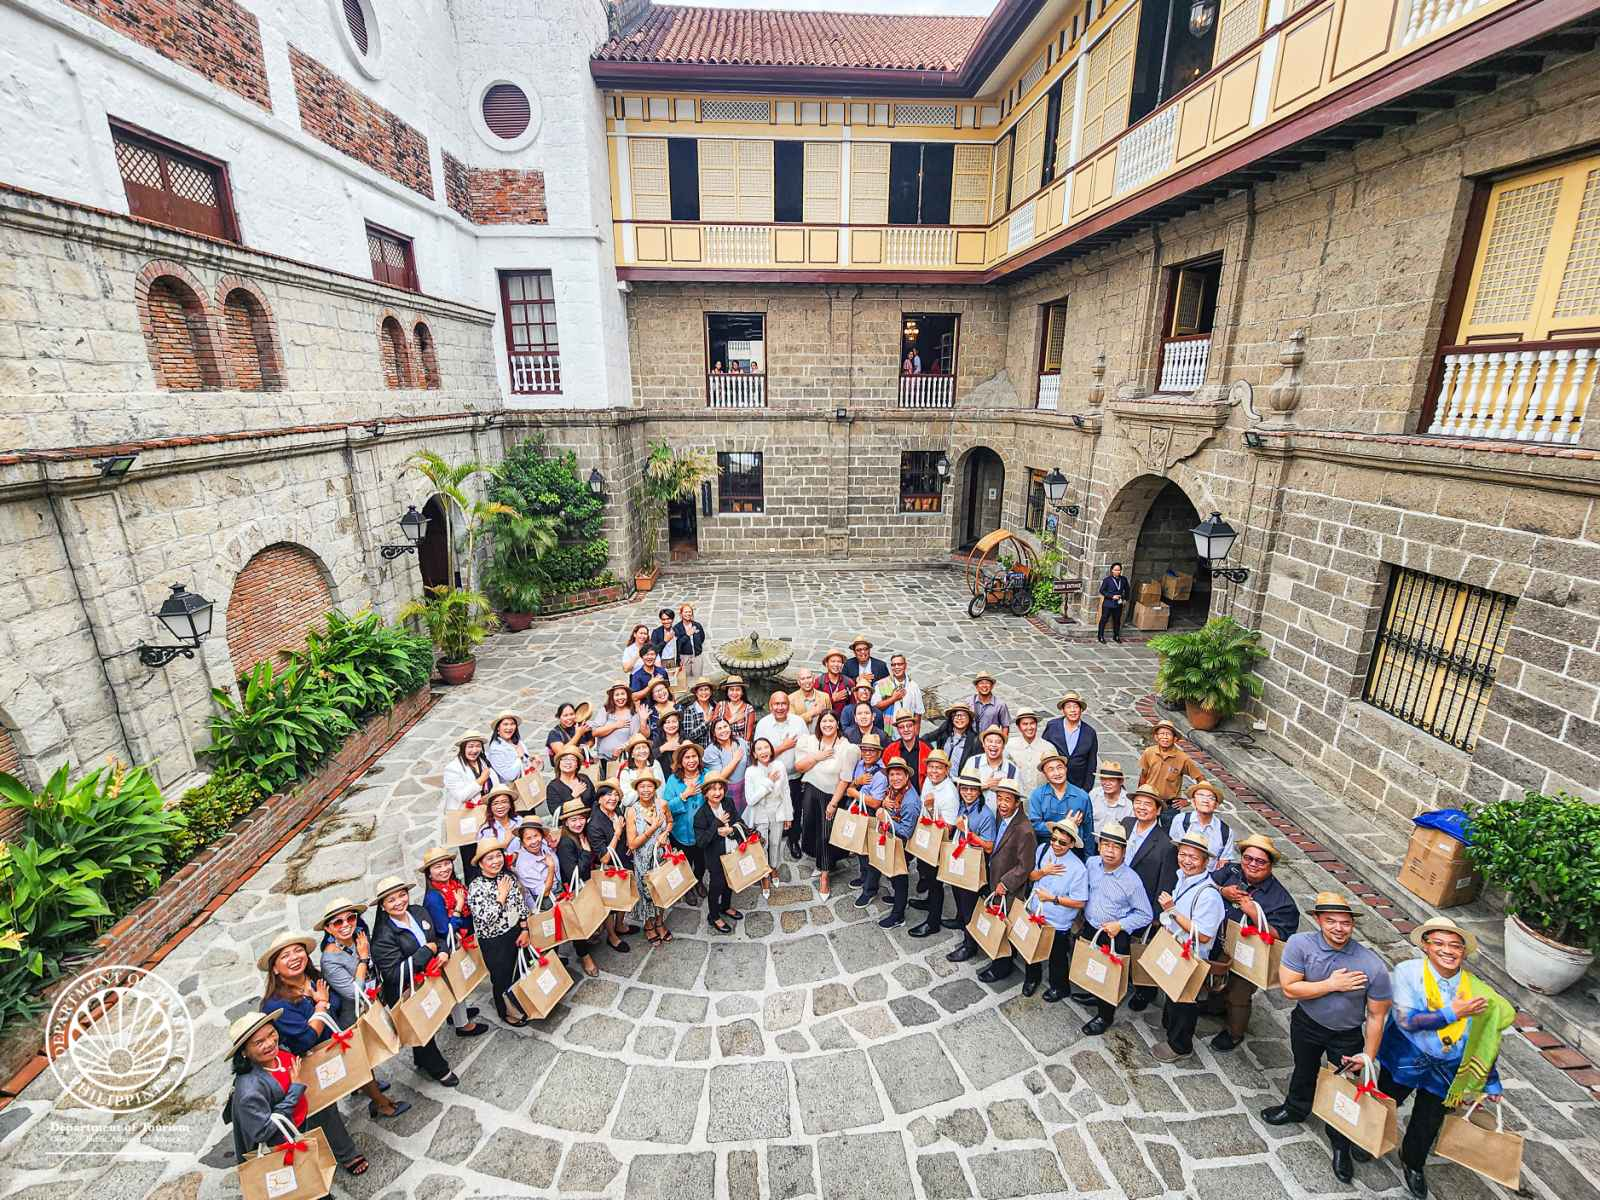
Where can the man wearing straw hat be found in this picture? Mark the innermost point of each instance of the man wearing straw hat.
(1075, 739)
(1056, 799)
(1153, 858)
(1164, 765)
(1061, 890)
(1249, 888)
(863, 665)
(1109, 800)
(988, 710)
(1012, 860)
(1191, 912)
(1118, 908)
(1342, 995)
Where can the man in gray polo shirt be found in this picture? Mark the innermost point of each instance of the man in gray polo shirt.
(1342, 995)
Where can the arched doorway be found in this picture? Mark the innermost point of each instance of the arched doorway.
(983, 484)
(433, 555)
(1147, 528)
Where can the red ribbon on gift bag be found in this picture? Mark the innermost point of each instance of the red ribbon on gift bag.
(960, 846)
(1266, 935)
(883, 834)
(561, 932)
(1105, 948)
(676, 857)
(996, 909)
(474, 802)
(539, 957)
(753, 840)
(1036, 918)
(1369, 1089)
(616, 872)
(937, 822)
(433, 970)
(467, 942)
(1187, 948)
(342, 1039)
(290, 1149)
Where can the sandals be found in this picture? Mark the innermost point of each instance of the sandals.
(666, 934)
(357, 1165)
(590, 970)
(377, 1114)
(620, 946)
(653, 936)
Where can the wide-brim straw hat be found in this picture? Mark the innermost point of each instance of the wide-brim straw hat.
(732, 681)
(469, 737)
(573, 808)
(701, 681)
(339, 904)
(1165, 724)
(1205, 785)
(994, 729)
(969, 777)
(714, 783)
(871, 741)
(282, 942)
(1259, 841)
(638, 739)
(1054, 756)
(839, 654)
(435, 854)
(564, 749)
(389, 883)
(1111, 769)
(1142, 790)
(485, 845)
(1114, 832)
(1025, 714)
(938, 756)
(1196, 840)
(863, 640)
(1444, 925)
(1070, 828)
(1331, 902)
(583, 712)
(1009, 785)
(902, 718)
(245, 1027)
(984, 675)
(898, 764)
(494, 728)
(1074, 698)
(960, 706)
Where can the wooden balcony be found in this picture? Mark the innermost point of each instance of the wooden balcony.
(736, 391)
(1529, 392)
(535, 374)
(927, 391)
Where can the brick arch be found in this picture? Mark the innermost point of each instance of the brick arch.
(33, 734)
(179, 333)
(250, 336)
(277, 596)
(394, 352)
(427, 356)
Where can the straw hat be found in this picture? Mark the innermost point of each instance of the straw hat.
(938, 756)
(638, 739)
(566, 748)
(573, 808)
(282, 942)
(495, 726)
(1054, 756)
(969, 777)
(469, 737)
(1026, 714)
(583, 712)
(435, 854)
(243, 1029)
(701, 681)
(389, 883)
(1070, 828)
(862, 641)
(1444, 925)
(1110, 768)
(618, 683)
(963, 706)
(907, 716)
(339, 904)
(898, 764)
(984, 675)
(1009, 785)
(499, 790)
(1332, 902)
(1205, 785)
(1195, 840)
(863, 681)
(871, 741)
(839, 654)
(1114, 832)
(485, 845)
(1258, 841)
(1142, 790)
(994, 729)
(1074, 698)
(608, 784)
(1165, 724)
(731, 681)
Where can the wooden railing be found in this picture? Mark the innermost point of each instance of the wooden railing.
(919, 246)
(1049, 391)
(1529, 392)
(535, 374)
(736, 391)
(1183, 362)
(927, 391)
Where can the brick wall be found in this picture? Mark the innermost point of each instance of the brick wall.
(395, 353)
(279, 595)
(494, 196)
(457, 191)
(10, 764)
(222, 40)
(177, 331)
(334, 112)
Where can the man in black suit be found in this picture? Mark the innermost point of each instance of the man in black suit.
(1154, 860)
(1076, 740)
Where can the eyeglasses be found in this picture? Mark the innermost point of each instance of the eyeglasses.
(1259, 860)
(345, 919)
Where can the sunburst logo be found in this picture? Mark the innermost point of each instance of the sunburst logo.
(119, 1039)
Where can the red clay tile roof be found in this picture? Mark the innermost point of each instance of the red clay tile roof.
(762, 37)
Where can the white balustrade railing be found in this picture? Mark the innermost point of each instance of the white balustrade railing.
(1522, 395)
(1147, 150)
(736, 391)
(1049, 392)
(919, 246)
(738, 245)
(1020, 230)
(1426, 16)
(532, 374)
(927, 391)
(1183, 364)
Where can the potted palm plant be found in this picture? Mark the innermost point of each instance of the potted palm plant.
(1211, 670)
(515, 578)
(667, 477)
(457, 620)
(1540, 851)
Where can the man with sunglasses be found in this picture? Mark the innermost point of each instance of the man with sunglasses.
(1249, 888)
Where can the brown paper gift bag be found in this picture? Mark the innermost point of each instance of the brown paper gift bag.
(301, 1169)
(1359, 1111)
(530, 788)
(671, 880)
(1254, 952)
(461, 825)
(544, 924)
(425, 1002)
(1029, 932)
(1137, 949)
(961, 863)
(988, 929)
(927, 840)
(618, 890)
(1098, 969)
(581, 908)
(543, 980)
(1177, 968)
(1487, 1149)
(746, 866)
(886, 851)
(465, 970)
(377, 1030)
(333, 1068)
(849, 830)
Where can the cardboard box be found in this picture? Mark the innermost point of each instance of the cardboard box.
(1436, 870)
(1148, 592)
(1175, 586)
(1151, 616)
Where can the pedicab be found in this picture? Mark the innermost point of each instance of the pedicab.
(999, 571)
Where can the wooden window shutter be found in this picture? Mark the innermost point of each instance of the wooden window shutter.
(719, 197)
(647, 170)
(822, 183)
(1030, 152)
(1109, 85)
(1000, 191)
(164, 184)
(1186, 304)
(869, 183)
(753, 168)
(1238, 24)
(1055, 337)
(1069, 108)
(969, 192)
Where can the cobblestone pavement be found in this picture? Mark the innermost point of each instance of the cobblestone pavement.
(812, 1053)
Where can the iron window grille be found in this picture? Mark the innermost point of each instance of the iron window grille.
(1033, 521)
(920, 489)
(740, 484)
(1439, 645)
(393, 261)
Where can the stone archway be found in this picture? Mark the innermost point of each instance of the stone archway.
(1146, 528)
(33, 732)
(981, 480)
(433, 554)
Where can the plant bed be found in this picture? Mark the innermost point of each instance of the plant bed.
(143, 936)
(588, 598)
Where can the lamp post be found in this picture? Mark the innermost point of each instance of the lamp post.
(414, 525)
(187, 617)
(1213, 541)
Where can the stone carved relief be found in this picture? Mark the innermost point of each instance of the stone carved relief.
(1284, 394)
(1158, 447)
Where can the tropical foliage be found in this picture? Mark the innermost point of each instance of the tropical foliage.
(668, 477)
(456, 620)
(1540, 850)
(449, 482)
(547, 496)
(1212, 667)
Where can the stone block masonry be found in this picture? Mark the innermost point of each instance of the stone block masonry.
(335, 113)
(221, 40)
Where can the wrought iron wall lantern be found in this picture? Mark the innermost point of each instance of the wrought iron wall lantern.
(597, 484)
(1213, 541)
(1055, 491)
(942, 465)
(187, 617)
(414, 525)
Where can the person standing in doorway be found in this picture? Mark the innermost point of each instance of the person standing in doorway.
(1113, 600)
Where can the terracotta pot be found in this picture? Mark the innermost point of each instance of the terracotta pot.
(458, 673)
(645, 580)
(1202, 718)
(516, 622)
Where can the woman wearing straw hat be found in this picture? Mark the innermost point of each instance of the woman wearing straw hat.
(570, 783)
(468, 775)
(620, 718)
(571, 729)
(1061, 890)
(698, 711)
(445, 898)
(264, 1087)
(306, 1004)
(956, 736)
(647, 822)
(508, 756)
(1442, 1039)
(498, 920)
(575, 861)
(737, 710)
(404, 942)
(638, 760)
(1191, 911)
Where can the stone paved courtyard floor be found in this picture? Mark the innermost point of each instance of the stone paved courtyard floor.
(810, 1054)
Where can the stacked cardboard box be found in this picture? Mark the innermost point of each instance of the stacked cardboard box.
(1436, 869)
(1151, 616)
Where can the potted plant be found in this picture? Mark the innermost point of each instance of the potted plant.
(449, 484)
(1540, 851)
(667, 477)
(1210, 671)
(457, 620)
(515, 578)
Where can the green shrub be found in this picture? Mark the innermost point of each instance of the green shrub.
(210, 810)
(380, 663)
(457, 620)
(1213, 667)
(537, 481)
(1541, 851)
(282, 726)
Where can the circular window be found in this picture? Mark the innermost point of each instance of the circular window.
(506, 111)
(357, 26)
(355, 20)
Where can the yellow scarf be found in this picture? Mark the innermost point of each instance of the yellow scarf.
(1453, 1033)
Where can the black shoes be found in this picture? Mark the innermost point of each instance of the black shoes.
(924, 904)
(1030, 986)
(477, 1029)
(863, 900)
(994, 972)
(1083, 997)
(1225, 1041)
(1344, 1168)
(960, 954)
(1139, 1004)
(952, 924)
(1096, 1026)
(449, 1080)
(893, 921)
(1416, 1182)
(926, 929)
(1279, 1114)
(1053, 995)
(856, 882)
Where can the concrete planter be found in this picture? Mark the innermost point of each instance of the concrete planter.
(1536, 962)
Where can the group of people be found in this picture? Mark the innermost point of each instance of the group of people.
(695, 770)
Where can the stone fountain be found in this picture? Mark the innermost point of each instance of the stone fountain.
(760, 662)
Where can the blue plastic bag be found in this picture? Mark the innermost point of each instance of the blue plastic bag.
(1453, 821)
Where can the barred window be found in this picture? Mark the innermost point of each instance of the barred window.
(920, 489)
(1033, 519)
(393, 261)
(740, 486)
(1439, 646)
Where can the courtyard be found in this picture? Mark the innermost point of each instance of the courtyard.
(811, 1053)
